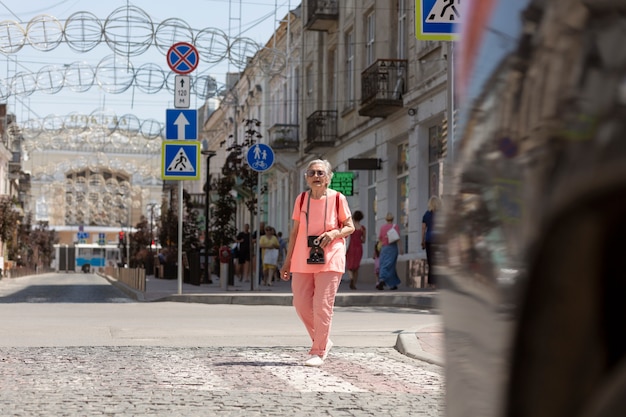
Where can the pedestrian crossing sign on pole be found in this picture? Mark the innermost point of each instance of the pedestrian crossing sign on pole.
(180, 160)
(437, 20)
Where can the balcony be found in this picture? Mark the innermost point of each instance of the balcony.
(321, 130)
(382, 86)
(322, 15)
(284, 137)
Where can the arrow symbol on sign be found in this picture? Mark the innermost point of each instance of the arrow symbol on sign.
(182, 83)
(181, 122)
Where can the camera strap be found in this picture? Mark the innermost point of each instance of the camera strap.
(308, 204)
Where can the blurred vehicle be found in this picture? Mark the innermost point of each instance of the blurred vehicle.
(532, 253)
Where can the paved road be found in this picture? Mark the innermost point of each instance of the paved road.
(124, 358)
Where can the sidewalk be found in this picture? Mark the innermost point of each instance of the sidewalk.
(424, 343)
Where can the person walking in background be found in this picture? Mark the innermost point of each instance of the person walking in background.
(355, 249)
(377, 247)
(269, 254)
(282, 251)
(257, 262)
(428, 221)
(243, 264)
(316, 255)
(389, 254)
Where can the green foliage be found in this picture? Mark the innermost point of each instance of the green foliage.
(236, 175)
(8, 219)
(222, 223)
(140, 243)
(168, 233)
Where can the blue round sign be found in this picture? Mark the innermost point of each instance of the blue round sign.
(260, 157)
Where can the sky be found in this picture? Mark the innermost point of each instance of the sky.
(253, 19)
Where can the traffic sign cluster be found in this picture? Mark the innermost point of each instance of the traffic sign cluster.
(180, 160)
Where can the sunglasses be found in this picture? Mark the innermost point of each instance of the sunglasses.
(312, 172)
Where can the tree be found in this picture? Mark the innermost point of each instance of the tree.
(40, 246)
(168, 233)
(238, 176)
(222, 223)
(139, 243)
(9, 218)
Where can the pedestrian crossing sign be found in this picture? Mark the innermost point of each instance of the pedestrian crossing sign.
(437, 20)
(179, 160)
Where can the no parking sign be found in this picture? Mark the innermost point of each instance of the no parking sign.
(182, 58)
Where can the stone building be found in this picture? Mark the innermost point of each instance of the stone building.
(356, 88)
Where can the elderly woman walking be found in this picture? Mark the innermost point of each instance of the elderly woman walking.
(316, 255)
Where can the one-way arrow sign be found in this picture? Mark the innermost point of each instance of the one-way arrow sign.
(181, 124)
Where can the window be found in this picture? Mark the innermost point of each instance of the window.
(370, 215)
(349, 69)
(309, 80)
(286, 101)
(332, 79)
(402, 29)
(434, 156)
(296, 96)
(403, 191)
(370, 27)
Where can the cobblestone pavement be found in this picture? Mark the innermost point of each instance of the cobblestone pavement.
(181, 381)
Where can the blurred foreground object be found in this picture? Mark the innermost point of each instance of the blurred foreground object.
(531, 256)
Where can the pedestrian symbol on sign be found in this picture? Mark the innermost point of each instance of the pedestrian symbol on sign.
(260, 157)
(444, 11)
(180, 163)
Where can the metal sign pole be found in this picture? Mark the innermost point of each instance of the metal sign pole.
(180, 237)
(259, 261)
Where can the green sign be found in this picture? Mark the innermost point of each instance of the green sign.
(342, 182)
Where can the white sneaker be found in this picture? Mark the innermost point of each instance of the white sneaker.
(314, 360)
(329, 346)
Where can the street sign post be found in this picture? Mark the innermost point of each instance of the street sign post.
(437, 20)
(260, 158)
(181, 124)
(180, 160)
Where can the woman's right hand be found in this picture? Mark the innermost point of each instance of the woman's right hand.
(284, 272)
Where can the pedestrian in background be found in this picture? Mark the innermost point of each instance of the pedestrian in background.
(389, 254)
(282, 251)
(321, 222)
(428, 221)
(257, 262)
(243, 264)
(355, 249)
(377, 248)
(269, 254)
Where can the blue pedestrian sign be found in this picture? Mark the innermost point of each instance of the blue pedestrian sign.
(181, 124)
(437, 20)
(179, 160)
(260, 157)
(182, 58)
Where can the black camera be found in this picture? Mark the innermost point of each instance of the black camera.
(316, 255)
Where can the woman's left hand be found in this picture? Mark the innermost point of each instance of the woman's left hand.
(327, 237)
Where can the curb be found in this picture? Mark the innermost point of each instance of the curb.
(134, 294)
(407, 344)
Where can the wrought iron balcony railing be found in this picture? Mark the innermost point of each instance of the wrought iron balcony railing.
(322, 15)
(284, 137)
(383, 85)
(321, 130)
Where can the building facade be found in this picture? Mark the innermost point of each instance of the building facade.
(350, 83)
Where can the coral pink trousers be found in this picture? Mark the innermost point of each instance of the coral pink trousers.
(314, 299)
